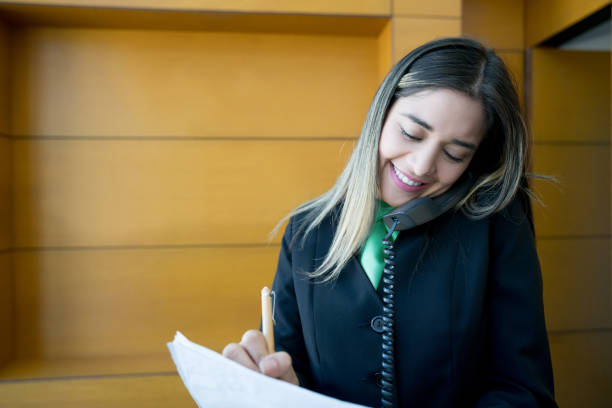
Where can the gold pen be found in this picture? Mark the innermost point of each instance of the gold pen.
(266, 318)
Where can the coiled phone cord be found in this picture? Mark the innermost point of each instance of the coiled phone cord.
(388, 364)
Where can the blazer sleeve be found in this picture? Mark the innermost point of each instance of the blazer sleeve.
(520, 371)
(288, 333)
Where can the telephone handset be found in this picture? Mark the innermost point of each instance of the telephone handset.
(415, 212)
(424, 209)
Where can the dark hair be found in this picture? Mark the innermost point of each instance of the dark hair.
(467, 66)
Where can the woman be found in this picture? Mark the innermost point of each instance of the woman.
(466, 313)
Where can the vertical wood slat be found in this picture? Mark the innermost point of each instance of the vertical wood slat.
(6, 272)
(570, 95)
(499, 23)
(411, 32)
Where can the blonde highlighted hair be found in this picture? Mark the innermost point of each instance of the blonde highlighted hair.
(498, 165)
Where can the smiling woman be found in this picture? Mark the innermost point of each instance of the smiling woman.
(427, 142)
(458, 320)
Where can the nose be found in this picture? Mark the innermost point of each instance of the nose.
(423, 160)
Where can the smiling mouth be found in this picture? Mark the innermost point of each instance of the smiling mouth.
(405, 179)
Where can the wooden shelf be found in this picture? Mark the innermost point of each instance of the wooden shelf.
(36, 15)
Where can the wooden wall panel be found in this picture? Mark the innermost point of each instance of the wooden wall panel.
(514, 61)
(579, 204)
(577, 283)
(100, 192)
(583, 373)
(365, 7)
(411, 32)
(131, 302)
(7, 322)
(560, 79)
(440, 8)
(154, 391)
(545, 18)
(498, 23)
(5, 193)
(94, 82)
(4, 79)
(385, 60)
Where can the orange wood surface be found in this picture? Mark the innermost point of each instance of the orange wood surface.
(581, 363)
(410, 32)
(270, 22)
(545, 18)
(128, 391)
(354, 7)
(165, 192)
(443, 8)
(7, 323)
(571, 95)
(577, 282)
(579, 204)
(94, 82)
(6, 193)
(499, 23)
(130, 302)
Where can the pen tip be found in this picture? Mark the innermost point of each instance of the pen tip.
(265, 291)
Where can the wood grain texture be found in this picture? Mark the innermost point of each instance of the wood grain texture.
(571, 95)
(443, 8)
(7, 323)
(514, 61)
(80, 304)
(98, 193)
(115, 83)
(385, 61)
(4, 78)
(577, 282)
(545, 18)
(409, 32)
(582, 364)
(6, 193)
(137, 391)
(499, 23)
(579, 205)
(267, 22)
(359, 7)
(71, 367)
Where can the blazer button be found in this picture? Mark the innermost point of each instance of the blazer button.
(378, 376)
(377, 324)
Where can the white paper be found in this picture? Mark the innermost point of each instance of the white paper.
(217, 382)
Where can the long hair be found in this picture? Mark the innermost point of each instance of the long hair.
(498, 165)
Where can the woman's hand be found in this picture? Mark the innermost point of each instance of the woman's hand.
(252, 352)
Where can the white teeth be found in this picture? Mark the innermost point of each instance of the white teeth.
(405, 179)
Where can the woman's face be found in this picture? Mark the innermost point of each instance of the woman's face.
(427, 142)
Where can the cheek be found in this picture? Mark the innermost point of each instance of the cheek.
(449, 174)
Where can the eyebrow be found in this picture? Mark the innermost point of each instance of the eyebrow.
(427, 126)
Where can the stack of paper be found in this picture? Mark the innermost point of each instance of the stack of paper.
(216, 382)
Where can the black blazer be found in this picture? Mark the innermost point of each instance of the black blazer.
(469, 327)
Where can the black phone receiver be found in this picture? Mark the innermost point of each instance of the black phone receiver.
(424, 209)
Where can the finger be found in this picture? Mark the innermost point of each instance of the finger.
(255, 344)
(237, 353)
(278, 365)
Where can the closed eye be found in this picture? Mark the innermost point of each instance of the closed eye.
(408, 135)
(453, 158)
